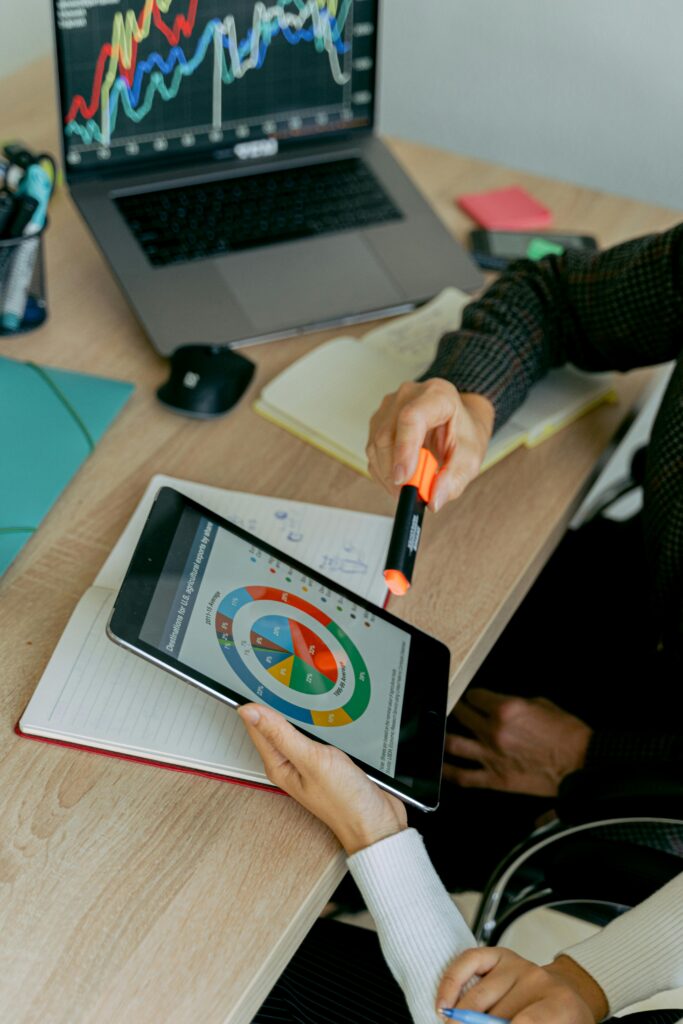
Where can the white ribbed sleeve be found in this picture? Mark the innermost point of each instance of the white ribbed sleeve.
(419, 927)
(640, 953)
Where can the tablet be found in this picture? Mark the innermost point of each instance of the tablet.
(237, 618)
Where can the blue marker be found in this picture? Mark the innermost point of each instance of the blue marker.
(35, 188)
(472, 1017)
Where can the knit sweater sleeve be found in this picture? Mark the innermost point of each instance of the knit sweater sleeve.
(611, 310)
(419, 927)
(640, 953)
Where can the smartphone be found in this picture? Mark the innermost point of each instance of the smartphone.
(495, 250)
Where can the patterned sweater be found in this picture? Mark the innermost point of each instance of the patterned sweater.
(613, 310)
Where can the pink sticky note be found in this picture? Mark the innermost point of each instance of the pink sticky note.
(505, 209)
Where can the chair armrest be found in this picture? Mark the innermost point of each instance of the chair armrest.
(630, 791)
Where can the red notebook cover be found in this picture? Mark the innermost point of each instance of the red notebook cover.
(146, 760)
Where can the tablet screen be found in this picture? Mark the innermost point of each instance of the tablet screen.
(235, 613)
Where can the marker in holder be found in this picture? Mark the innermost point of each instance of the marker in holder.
(23, 218)
(405, 538)
(23, 304)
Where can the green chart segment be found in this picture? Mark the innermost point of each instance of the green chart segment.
(294, 656)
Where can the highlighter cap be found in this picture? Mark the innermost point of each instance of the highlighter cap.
(424, 476)
(396, 582)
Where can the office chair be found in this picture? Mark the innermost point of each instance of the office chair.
(617, 838)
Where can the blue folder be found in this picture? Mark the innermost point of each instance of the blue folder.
(50, 421)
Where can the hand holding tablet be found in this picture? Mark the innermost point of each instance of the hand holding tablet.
(324, 780)
(222, 610)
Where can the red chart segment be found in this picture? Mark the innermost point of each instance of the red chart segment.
(312, 651)
(274, 594)
(224, 630)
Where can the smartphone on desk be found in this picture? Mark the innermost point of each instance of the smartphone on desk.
(495, 250)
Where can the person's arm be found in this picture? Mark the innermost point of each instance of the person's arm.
(612, 310)
(522, 745)
(610, 748)
(419, 927)
(640, 953)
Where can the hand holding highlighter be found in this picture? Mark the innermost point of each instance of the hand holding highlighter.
(405, 538)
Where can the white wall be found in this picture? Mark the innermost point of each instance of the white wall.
(25, 33)
(585, 90)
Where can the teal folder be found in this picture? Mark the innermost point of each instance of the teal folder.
(50, 421)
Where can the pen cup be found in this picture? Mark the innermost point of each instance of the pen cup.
(23, 304)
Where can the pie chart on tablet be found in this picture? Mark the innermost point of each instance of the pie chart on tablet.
(293, 656)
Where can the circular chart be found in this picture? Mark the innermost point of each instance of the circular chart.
(279, 655)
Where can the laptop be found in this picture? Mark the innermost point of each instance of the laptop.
(223, 154)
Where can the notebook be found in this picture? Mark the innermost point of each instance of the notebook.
(95, 695)
(54, 419)
(328, 397)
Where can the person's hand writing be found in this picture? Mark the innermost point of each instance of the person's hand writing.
(521, 992)
(324, 780)
(519, 745)
(431, 414)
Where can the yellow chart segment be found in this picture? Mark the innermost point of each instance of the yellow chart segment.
(336, 717)
(126, 28)
(283, 671)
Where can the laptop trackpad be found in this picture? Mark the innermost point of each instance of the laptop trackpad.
(300, 283)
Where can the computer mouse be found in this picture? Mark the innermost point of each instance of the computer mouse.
(205, 380)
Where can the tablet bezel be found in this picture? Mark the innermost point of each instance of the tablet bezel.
(424, 706)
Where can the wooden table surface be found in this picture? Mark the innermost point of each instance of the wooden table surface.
(129, 893)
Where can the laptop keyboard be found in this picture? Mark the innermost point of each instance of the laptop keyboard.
(230, 215)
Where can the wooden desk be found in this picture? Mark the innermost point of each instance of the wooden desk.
(129, 893)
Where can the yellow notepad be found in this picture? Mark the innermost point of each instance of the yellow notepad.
(328, 397)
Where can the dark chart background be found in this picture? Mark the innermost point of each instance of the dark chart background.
(293, 93)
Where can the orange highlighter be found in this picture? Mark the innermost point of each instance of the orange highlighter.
(405, 538)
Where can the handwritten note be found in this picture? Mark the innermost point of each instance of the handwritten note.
(414, 338)
(348, 547)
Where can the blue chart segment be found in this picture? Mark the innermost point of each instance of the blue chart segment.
(283, 655)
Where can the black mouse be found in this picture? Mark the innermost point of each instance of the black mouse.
(206, 380)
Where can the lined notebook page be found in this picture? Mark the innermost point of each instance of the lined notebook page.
(348, 547)
(96, 694)
(334, 391)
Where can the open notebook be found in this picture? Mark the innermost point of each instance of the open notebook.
(94, 694)
(328, 397)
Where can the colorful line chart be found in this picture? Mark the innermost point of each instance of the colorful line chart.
(279, 656)
(162, 69)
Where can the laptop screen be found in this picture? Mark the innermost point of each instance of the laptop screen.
(143, 79)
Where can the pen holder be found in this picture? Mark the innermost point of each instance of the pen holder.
(23, 304)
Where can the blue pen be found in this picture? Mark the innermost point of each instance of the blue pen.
(472, 1017)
